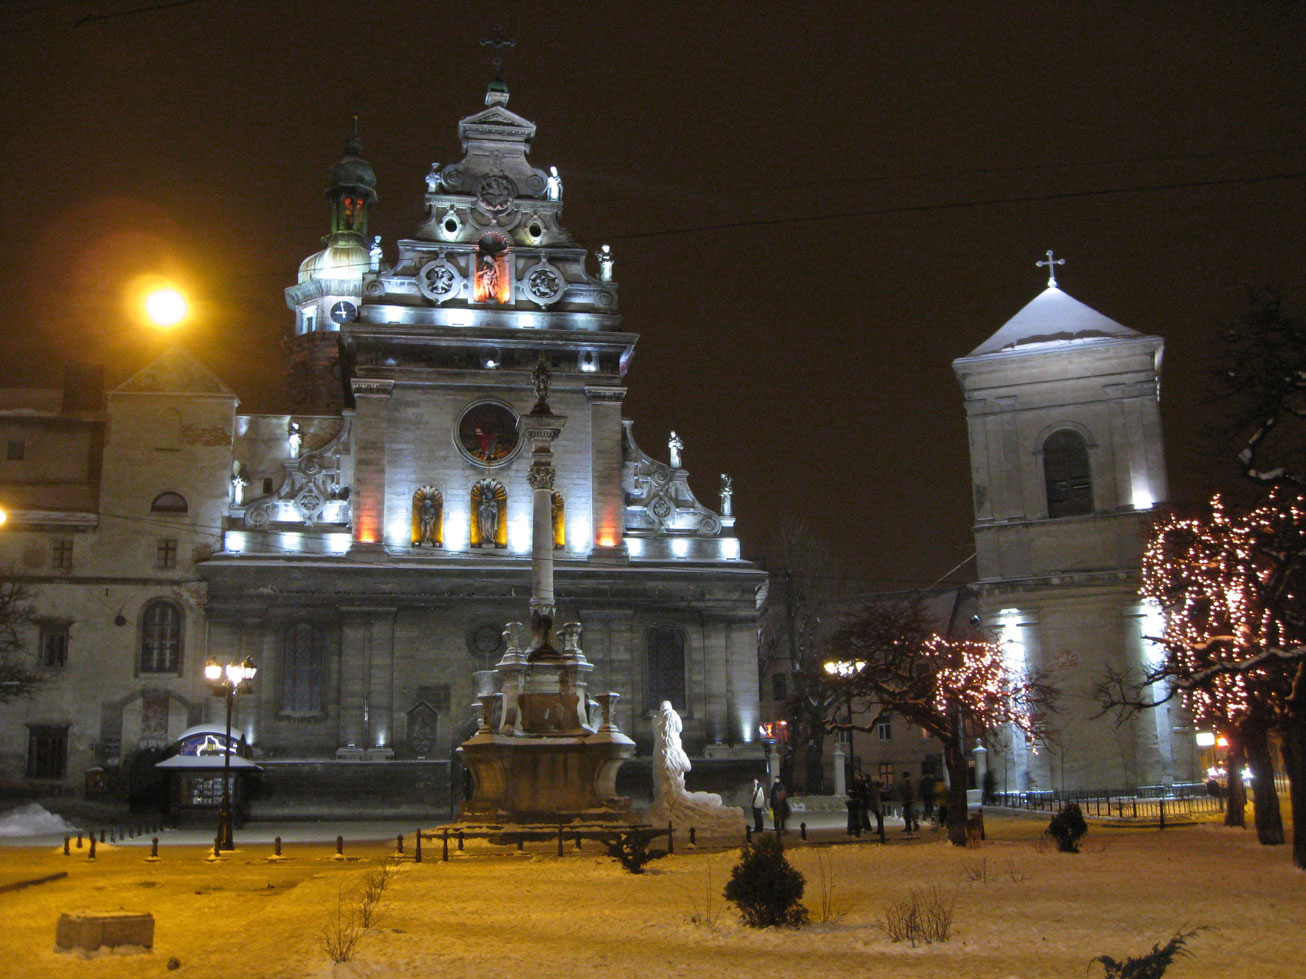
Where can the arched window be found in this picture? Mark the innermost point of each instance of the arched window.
(160, 637)
(1066, 473)
(169, 503)
(666, 667)
(303, 665)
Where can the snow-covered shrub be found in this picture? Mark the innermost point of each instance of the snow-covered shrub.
(925, 916)
(1068, 828)
(766, 888)
(342, 930)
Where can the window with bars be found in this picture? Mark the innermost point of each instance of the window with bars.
(160, 637)
(47, 751)
(54, 644)
(303, 663)
(165, 553)
(61, 554)
(1066, 472)
(666, 667)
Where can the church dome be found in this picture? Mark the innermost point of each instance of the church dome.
(344, 257)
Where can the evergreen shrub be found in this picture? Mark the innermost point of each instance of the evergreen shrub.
(766, 887)
(1068, 828)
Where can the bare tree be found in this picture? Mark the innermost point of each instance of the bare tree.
(19, 676)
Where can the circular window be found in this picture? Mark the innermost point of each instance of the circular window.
(536, 229)
(488, 433)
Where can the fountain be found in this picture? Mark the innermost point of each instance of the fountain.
(539, 754)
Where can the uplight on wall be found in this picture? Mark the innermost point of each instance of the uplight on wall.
(679, 546)
(635, 546)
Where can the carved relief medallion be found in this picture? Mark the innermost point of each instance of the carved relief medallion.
(495, 193)
(438, 280)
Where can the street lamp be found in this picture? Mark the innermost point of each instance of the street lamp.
(228, 681)
(846, 670)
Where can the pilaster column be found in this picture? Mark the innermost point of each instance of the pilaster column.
(608, 498)
(372, 400)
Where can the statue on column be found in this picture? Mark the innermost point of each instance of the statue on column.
(433, 179)
(553, 185)
(238, 484)
(541, 378)
(374, 254)
(675, 446)
(605, 264)
(727, 494)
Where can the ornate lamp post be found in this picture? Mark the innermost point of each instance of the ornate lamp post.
(228, 681)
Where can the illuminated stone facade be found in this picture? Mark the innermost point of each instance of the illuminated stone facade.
(367, 549)
(1067, 465)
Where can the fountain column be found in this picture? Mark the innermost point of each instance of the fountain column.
(542, 428)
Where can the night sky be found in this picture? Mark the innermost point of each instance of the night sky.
(813, 208)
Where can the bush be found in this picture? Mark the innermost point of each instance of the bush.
(1150, 966)
(631, 850)
(766, 887)
(925, 917)
(1068, 828)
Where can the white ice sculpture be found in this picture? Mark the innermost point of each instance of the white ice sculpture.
(672, 802)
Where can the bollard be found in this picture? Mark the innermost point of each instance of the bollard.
(521, 838)
(217, 848)
(748, 833)
(91, 854)
(154, 848)
(802, 831)
(1161, 809)
(445, 855)
(65, 846)
(276, 847)
(460, 841)
(578, 836)
(692, 841)
(112, 838)
(399, 844)
(101, 836)
(671, 838)
(79, 839)
(340, 846)
(560, 839)
(417, 848)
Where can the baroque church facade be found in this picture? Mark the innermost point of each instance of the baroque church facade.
(366, 549)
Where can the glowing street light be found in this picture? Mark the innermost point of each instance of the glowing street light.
(228, 681)
(166, 307)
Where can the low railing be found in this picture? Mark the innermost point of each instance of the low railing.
(1120, 804)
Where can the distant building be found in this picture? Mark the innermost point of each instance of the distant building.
(367, 548)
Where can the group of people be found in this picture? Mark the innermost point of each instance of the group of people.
(865, 796)
(777, 800)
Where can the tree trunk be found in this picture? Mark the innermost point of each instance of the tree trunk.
(814, 763)
(1236, 805)
(1265, 797)
(958, 809)
(1294, 763)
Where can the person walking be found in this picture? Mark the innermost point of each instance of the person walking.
(758, 802)
(907, 796)
(779, 805)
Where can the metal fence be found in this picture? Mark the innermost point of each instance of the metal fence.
(1123, 804)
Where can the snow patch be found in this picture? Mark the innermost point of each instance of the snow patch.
(32, 819)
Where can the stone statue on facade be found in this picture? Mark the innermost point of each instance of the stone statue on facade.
(238, 484)
(426, 522)
(487, 279)
(433, 179)
(374, 254)
(541, 378)
(294, 439)
(605, 264)
(488, 515)
(675, 447)
(727, 495)
(672, 802)
(553, 185)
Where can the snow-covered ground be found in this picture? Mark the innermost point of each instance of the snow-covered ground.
(1022, 910)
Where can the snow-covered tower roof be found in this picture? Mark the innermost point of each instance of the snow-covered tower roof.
(1052, 317)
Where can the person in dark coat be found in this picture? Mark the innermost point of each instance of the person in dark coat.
(907, 796)
(758, 801)
(874, 791)
(927, 797)
(855, 811)
(779, 805)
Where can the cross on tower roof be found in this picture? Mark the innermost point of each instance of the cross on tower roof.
(1051, 263)
(498, 41)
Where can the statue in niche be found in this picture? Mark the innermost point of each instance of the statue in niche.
(294, 439)
(674, 447)
(487, 279)
(433, 179)
(553, 185)
(605, 264)
(488, 515)
(727, 493)
(428, 511)
(541, 378)
(238, 484)
(672, 802)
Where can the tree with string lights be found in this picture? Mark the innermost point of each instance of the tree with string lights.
(887, 660)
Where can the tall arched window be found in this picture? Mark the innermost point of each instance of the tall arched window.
(160, 637)
(1066, 473)
(666, 667)
(303, 665)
